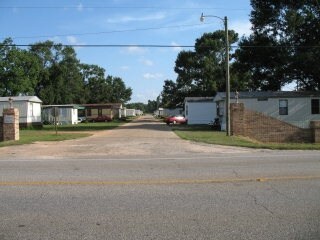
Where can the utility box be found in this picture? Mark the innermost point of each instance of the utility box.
(10, 124)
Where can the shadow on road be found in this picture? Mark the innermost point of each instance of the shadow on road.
(146, 124)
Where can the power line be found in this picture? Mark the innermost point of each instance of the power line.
(121, 7)
(102, 45)
(151, 46)
(110, 32)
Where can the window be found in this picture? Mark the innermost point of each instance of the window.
(315, 109)
(283, 107)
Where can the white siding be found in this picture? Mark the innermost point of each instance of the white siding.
(299, 110)
(130, 112)
(170, 112)
(200, 112)
(66, 115)
(28, 111)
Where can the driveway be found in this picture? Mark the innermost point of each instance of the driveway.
(142, 137)
(140, 181)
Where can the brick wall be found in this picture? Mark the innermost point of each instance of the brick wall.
(315, 126)
(1, 129)
(11, 127)
(263, 128)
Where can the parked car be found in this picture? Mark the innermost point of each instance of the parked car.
(176, 119)
(102, 118)
(82, 119)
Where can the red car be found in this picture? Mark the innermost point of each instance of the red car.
(102, 118)
(176, 119)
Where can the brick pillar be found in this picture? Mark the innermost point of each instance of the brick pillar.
(1, 129)
(10, 124)
(315, 130)
(237, 119)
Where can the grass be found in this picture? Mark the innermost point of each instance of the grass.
(98, 126)
(65, 132)
(206, 135)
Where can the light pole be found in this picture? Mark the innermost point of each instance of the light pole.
(225, 21)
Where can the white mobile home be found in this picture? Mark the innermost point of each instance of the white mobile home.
(29, 109)
(172, 111)
(200, 110)
(296, 108)
(66, 114)
(130, 112)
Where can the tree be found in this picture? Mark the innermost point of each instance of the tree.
(151, 106)
(137, 105)
(53, 72)
(71, 88)
(211, 52)
(169, 96)
(117, 92)
(284, 45)
(94, 82)
(201, 73)
(60, 76)
(18, 70)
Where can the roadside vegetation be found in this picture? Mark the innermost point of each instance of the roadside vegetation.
(206, 135)
(64, 132)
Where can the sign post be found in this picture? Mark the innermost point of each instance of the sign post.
(55, 114)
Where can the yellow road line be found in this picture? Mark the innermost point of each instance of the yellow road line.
(157, 182)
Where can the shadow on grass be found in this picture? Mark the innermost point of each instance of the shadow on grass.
(193, 128)
(86, 126)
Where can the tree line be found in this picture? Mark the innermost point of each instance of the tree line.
(54, 74)
(284, 48)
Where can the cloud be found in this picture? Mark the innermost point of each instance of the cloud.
(80, 7)
(55, 39)
(145, 96)
(127, 19)
(146, 62)
(124, 68)
(149, 76)
(176, 47)
(135, 50)
(242, 27)
(74, 41)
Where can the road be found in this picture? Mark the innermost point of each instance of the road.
(140, 181)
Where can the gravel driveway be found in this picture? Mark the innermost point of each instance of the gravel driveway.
(142, 137)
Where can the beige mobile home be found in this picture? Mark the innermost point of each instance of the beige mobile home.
(296, 108)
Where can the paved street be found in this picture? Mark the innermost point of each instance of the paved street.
(140, 181)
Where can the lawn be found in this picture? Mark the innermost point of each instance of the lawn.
(206, 135)
(64, 132)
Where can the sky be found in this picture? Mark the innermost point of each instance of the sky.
(173, 25)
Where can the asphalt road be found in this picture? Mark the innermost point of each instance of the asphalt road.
(141, 182)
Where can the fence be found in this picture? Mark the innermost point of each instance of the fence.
(264, 128)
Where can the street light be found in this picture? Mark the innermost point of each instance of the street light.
(225, 21)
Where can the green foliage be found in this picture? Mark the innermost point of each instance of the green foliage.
(201, 72)
(117, 91)
(284, 45)
(53, 72)
(150, 107)
(18, 70)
